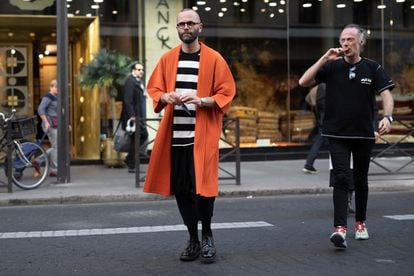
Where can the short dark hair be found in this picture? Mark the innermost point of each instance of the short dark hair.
(135, 64)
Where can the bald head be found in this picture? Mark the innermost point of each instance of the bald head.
(190, 13)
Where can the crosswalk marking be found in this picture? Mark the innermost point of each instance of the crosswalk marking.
(401, 217)
(125, 230)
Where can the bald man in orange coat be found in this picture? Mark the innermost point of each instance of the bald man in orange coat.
(194, 86)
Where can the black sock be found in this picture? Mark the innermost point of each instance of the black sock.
(193, 231)
(206, 230)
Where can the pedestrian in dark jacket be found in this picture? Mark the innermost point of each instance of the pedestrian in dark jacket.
(133, 106)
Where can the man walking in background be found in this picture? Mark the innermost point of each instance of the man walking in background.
(352, 82)
(134, 105)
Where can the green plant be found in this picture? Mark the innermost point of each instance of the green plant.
(108, 69)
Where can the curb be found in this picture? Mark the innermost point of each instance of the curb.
(151, 197)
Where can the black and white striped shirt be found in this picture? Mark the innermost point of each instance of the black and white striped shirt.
(184, 115)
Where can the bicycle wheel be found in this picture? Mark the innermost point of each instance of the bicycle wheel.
(30, 165)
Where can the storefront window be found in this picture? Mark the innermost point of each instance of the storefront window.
(269, 45)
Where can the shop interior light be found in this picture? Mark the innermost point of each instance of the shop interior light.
(282, 2)
(222, 1)
(381, 7)
(400, 1)
(391, 22)
(71, 15)
(88, 15)
(223, 9)
(68, 6)
(95, 7)
(114, 12)
(244, 1)
(265, 1)
(262, 10)
(98, 1)
(201, 3)
(341, 6)
(281, 10)
(207, 9)
(242, 10)
(195, 8)
(272, 4)
(272, 15)
(358, 0)
(32, 34)
(10, 34)
(235, 3)
(220, 14)
(77, 11)
(307, 5)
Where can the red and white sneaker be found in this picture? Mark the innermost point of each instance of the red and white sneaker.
(338, 237)
(361, 231)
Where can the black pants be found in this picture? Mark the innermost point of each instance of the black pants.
(340, 150)
(192, 207)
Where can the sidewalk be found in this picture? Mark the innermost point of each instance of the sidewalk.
(97, 183)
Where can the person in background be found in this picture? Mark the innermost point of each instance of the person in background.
(352, 82)
(48, 112)
(133, 105)
(194, 86)
(316, 99)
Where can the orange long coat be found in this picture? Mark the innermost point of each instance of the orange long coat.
(214, 80)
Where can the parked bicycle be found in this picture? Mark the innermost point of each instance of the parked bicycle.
(30, 163)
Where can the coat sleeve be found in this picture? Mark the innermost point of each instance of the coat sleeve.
(129, 99)
(157, 85)
(224, 84)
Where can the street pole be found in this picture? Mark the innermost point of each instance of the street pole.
(63, 92)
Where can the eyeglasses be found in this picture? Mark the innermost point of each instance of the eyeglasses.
(351, 73)
(190, 24)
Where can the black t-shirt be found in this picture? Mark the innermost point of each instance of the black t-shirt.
(350, 104)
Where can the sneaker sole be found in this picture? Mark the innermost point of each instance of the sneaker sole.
(309, 171)
(361, 238)
(338, 241)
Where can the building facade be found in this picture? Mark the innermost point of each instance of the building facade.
(267, 43)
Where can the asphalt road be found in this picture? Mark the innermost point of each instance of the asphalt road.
(287, 235)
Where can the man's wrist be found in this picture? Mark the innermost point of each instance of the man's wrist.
(203, 102)
(389, 118)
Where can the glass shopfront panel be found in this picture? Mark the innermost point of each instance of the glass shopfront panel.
(267, 43)
(270, 44)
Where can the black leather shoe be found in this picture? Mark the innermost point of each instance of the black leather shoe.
(208, 250)
(191, 252)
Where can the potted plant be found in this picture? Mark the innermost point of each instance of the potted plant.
(107, 71)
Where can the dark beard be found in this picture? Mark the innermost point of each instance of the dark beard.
(188, 38)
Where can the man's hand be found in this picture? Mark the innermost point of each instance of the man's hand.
(190, 99)
(384, 126)
(171, 98)
(334, 53)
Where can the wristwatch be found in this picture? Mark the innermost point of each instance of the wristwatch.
(203, 102)
(389, 117)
